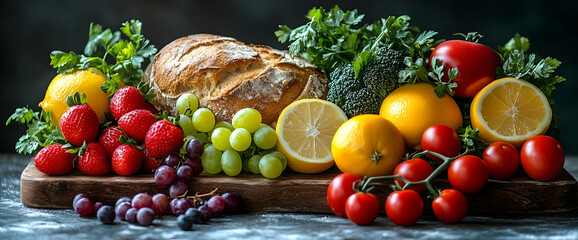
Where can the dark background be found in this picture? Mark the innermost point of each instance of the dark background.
(31, 29)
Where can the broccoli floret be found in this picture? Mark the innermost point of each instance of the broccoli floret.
(376, 80)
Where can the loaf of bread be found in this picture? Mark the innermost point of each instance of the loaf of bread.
(227, 75)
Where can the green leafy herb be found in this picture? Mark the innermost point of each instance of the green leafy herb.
(40, 133)
(471, 142)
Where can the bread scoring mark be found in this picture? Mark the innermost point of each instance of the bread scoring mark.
(268, 87)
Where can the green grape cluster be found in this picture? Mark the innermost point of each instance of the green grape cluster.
(244, 144)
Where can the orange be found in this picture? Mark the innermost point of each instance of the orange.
(367, 145)
(412, 108)
(83, 81)
(305, 129)
(510, 110)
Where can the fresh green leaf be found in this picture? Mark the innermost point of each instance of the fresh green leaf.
(40, 132)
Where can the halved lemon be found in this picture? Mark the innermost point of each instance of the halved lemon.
(510, 110)
(305, 130)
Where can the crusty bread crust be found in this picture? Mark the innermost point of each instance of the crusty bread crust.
(228, 75)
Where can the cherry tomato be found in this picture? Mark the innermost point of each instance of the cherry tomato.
(476, 64)
(414, 170)
(542, 157)
(441, 139)
(362, 208)
(340, 188)
(404, 207)
(502, 160)
(468, 174)
(451, 206)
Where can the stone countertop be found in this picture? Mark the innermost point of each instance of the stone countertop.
(20, 222)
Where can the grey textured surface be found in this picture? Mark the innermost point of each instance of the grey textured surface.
(20, 222)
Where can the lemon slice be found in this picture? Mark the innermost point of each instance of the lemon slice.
(305, 130)
(510, 110)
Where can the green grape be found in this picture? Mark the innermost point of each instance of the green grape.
(211, 159)
(245, 164)
(220, 138)
(247, 118)
(253, 164)
(187, 125)
(270, 166)
(203, 120)
(225, 125)
(281, 157)
(231, 162)
(240, 139)
(187, 104)
(265, 137)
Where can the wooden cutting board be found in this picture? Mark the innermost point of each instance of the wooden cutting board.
(293, 192)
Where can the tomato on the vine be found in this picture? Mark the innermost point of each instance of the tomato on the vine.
(451, 206)
(413, 170)
(542, 157)
(502, 160)
(468, 174)
(441, 139)
(362, 208)
(340, 188)
(404, 207)
(476, 64)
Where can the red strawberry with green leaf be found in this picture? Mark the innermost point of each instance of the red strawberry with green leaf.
(126, 99)
(127, 160)
(149, 163)
(109, 139)
(79, 123)
(54, 160)
(163, 138)
(136, 123)
(93, 160)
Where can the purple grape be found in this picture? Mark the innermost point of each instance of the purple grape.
(130, 215)
(216, 204)
(195, 148)
(121, 209)
(78, 197)
(84, 207)
(196, 165)
(185, 223)
(233, 201)
(105, 214)
(142, 200)
(145, 216)
(121, 200)
(195, 215)
(165, 175)
(160, 203)
(205, 213)
(179, 206)
(172, 160)
(185, 173)
(178, 189)
(96, 206)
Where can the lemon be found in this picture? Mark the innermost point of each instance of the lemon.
(510, 110)
(83, 81)
(412, 108)
(305, 130)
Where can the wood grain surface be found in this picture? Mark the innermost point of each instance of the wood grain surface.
(293, 192)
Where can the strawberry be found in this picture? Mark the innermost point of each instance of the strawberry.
(163, 138)
(150, 164)
(149, 106)
(127, 159)
(109, 139)
(126, 99)
(136, 123)
(54, 160)
(93, 160)
(79, 124)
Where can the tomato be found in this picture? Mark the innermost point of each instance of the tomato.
(413, 170)
(542, 157)
(451, 206)
(468, 174)
(362, 208)
(340, 188)
(404, 207)
(441, 139)
(476, 64)
(502, 160)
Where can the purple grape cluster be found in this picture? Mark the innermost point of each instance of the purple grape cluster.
(187, 214)
(178, 170)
